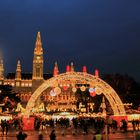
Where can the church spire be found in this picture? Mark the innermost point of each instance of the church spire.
(96, 72)
(18, 71)
(84, 69)
(38, 59)
(38, 45)
(1, 70)
(71, 67)
(55, 71)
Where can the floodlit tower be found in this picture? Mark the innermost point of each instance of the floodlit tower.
(38, 59)
(55, 71)
(84, 69)
(1, 70)
(96, 72)
(71, 67)
(67, 68)
(18, 71)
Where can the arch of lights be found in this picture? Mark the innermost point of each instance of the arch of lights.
(79, 78)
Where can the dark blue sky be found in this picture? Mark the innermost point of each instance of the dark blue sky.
(96, 33)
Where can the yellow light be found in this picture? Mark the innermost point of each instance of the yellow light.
(57, 90)
(74, 89)
(98, 91)
(82, 88)
(107, 90)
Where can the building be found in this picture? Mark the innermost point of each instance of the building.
(25, 83)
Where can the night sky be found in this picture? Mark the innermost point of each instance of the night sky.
(96, 33)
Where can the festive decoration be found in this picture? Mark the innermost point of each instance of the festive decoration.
(57, 90)
(74, 89)
(61, 85)
(28, 123)
(92, 94)
(20, 108)
(82, 88)
(98, 91)
(68, 85)
(65, 87)
(91, 90)
(77, 77)
(52, 93)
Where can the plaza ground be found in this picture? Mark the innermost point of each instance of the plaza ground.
(33, 135)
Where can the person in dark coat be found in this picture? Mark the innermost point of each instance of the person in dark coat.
(52, 135)
(6, 127)
(21, 136)
(40, 136)
(2, 126)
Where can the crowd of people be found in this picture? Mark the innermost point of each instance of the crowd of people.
(85, 123)
(15, 123)
(77, 123)
(4, 127)
(80, 123)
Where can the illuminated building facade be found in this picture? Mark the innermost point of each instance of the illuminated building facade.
(52, 92)
(26, 83)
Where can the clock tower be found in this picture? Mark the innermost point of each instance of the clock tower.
(37, 76)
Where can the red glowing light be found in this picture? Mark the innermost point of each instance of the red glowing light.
(97, 72)
(92, 94)
(68, 68)
(84, 69)
(65, 87)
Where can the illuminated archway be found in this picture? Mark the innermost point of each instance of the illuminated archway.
(80, 78)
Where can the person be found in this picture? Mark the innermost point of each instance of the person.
(21, 136)
(98, 136)
(52, 135)
(6, 127)
(2, 126)
(110, 122)
(124, 125)
(137, 124)
(85, 129)
(134, 125)
(40, 136)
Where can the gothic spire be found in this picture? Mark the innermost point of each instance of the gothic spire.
(55, 71)
(38, 45)
(18, 71)
(84, 69)
(96, 72)
(71, 67)
(38, 59)
(1, 69)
